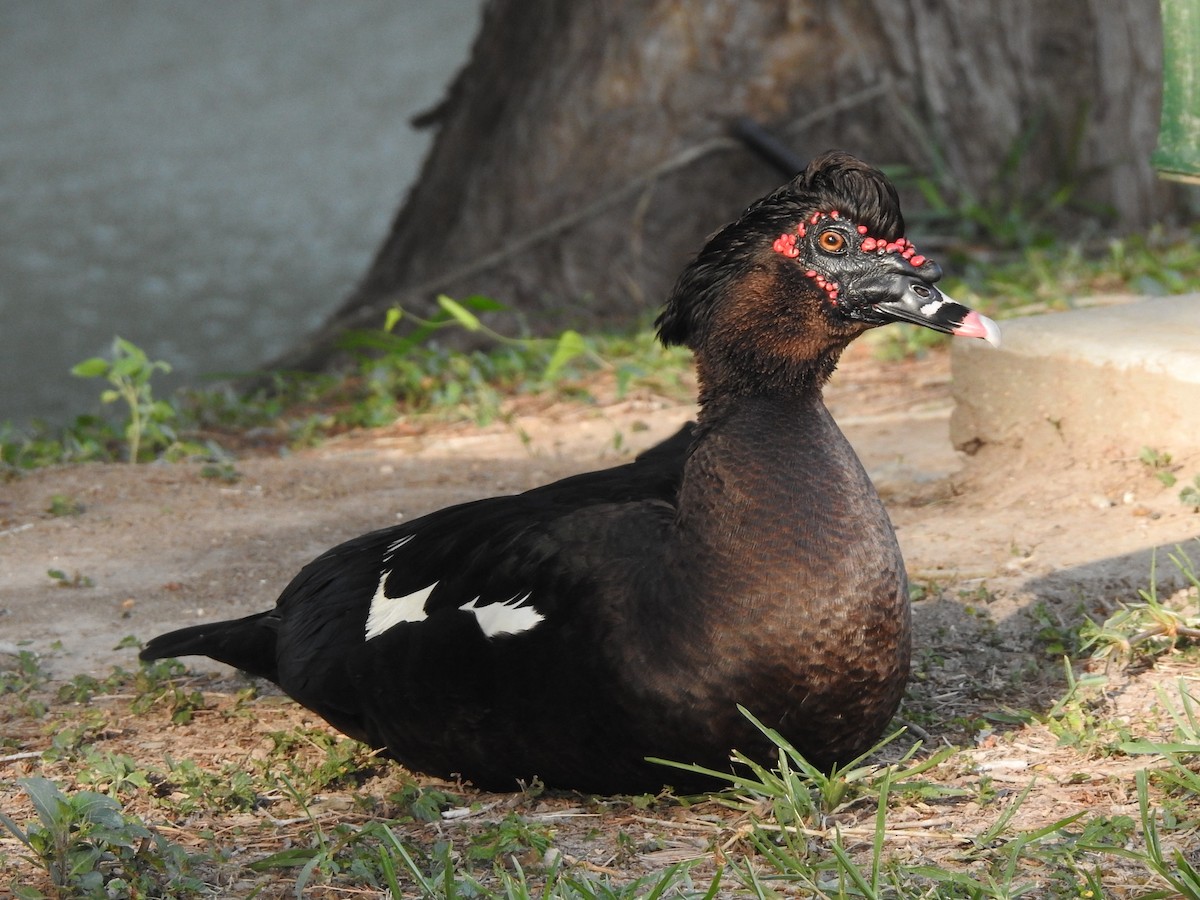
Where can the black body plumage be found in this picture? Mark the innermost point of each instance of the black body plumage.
(570, 632)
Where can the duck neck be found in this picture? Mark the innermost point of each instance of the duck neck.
(773, 487)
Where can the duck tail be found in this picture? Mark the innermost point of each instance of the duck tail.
(247, 644)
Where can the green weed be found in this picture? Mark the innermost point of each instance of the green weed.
(1190, 495)
(158, 684)
(413, 373)
(90, 849)
(68, 738)
(1159, 463)
(798, 791)
(342, 761)
(75, 580)
(1004, 213)
(112, 773)
(438, 875)
(150, 422)
(64, 505)
(1056, 637)
(37, 444)
(1173, 868)
(1150, 626)
(423, 803)
(225, 472)
(512, 835)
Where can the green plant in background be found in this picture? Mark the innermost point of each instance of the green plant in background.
(1040, 279)
(75, 580)
(413, 372)
(1159, 463)
(1003, 213)
(410, 370)
(64, 505)
(23, 679)
(37, 444)
(90, 849)
(1190, 495)
(129, 372)
(566, 347)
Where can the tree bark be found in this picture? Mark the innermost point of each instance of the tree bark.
(584, 153)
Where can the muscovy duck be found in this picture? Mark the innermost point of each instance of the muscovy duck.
(572, 631)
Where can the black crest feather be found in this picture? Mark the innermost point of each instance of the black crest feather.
(833, 180)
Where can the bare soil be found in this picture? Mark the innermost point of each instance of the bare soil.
(1005, 550)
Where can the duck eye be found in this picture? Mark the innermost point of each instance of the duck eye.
(831, 241)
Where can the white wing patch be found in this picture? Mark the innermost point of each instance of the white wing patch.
(387, 612)
(509, 617)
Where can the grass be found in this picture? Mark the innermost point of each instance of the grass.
(1058, 276)
(770, 835)
(108, 791)
(406, 376)
(1151, 625)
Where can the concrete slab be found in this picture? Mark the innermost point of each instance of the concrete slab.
(1106, 380)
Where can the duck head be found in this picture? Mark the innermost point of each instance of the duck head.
(773, 298)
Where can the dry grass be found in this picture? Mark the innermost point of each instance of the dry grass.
(1031, 798)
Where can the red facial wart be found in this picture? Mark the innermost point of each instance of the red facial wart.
(786, 244)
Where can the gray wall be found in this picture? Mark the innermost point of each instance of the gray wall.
(206, 179)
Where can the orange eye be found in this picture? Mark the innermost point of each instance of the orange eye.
(831, 241)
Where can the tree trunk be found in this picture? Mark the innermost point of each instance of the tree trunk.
(584, 153)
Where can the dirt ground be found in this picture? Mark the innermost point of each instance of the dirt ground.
(1001, 546)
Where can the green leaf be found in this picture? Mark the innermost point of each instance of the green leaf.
(393, 316)
(47, 799)
(483, 303)
(128, 367)
(99, 809)
(18, 832)
(460, 313)
(285, 859)
(570, 345)
(1137, 747)
(123, 347)
(96, 367)
(109, 396)
(161, 410)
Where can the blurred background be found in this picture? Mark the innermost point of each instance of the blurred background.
(207, 180)
(228, 185)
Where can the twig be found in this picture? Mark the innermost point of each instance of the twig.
(915, 729)
(32, 754)
(691, 825)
